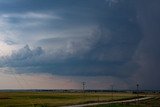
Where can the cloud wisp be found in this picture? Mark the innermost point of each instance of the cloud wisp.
(30, 15)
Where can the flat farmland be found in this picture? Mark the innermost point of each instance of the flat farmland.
(56, 99)
(154, 101)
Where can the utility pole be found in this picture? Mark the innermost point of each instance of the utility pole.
(137, 90)
(112, 91)
(83, 84)
(83, 90)
(137, 93)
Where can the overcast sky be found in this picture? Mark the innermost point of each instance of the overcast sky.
(61, 43)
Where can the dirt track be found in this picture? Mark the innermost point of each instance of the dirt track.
(111, 102)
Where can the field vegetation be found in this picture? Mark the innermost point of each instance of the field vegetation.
(53, 99)
(153, 102)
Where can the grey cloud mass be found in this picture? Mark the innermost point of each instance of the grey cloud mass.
(22, 57)
(148, 53)
(115, 38)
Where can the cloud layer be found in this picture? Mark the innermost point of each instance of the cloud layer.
(88, 38)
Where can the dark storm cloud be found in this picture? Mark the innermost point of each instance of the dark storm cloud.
(107, 51)
(124, 43)
(22, 58)
(148, 52)
(105, 55)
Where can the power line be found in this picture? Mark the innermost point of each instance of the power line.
(112, 91)
(137, 93)
(83, 86)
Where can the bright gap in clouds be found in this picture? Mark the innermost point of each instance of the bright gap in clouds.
(6, 47)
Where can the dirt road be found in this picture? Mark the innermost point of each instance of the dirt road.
(111, 102)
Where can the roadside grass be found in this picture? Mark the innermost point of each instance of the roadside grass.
(51, 99)
(114, 105)
(154, 102)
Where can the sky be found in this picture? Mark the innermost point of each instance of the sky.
(58, 44)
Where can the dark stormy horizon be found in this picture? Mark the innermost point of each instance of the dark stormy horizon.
(58, 44)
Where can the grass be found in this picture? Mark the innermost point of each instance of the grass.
(115, 105)
(50, 99)
(154, 102)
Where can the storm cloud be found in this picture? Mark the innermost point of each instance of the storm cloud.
(88, 38)
(148, 53)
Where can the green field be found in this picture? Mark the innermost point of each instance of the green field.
(154, 102)
(115, 105)
(51, 99)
